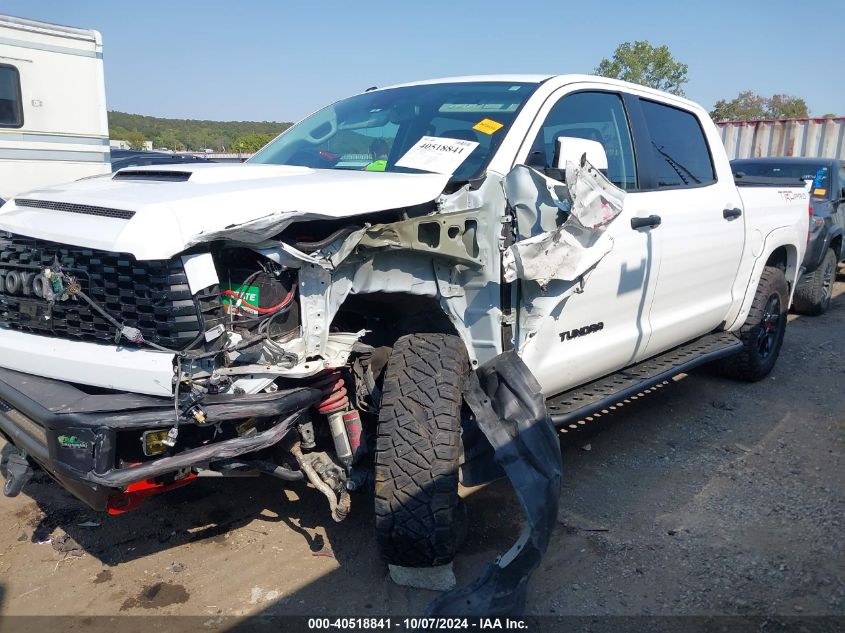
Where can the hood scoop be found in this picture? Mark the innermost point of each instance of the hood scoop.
(157, 175)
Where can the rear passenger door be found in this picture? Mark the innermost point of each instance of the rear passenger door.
(701, 232)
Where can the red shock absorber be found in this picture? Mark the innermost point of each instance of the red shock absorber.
(344, 421)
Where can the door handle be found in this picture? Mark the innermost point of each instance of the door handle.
(731, 214)
(649, 222)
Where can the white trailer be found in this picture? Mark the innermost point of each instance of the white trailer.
(53, 124)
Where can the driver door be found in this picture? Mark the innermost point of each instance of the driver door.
(602, 325)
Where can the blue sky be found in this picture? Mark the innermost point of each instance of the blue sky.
(280, 60)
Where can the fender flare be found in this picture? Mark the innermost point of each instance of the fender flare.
(780, 237)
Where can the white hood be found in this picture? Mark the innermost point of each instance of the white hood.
(167, 216)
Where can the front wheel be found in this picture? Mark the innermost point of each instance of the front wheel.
(762, 333)
(418, 451)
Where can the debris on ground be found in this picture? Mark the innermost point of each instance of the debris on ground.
(440, 578)
(65, 544)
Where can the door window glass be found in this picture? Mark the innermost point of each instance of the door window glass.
(596, 116)
(680, 151)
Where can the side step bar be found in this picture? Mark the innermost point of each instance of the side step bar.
(580, 402)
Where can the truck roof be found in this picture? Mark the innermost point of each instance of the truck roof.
(557, 80)
(48, 28)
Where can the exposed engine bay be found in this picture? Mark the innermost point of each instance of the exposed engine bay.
(315, 307)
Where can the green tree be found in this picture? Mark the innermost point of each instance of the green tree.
(168, 139)
(641, 63)
(136, 140)
(195, 134)
(787, 107)
(749, 106)
(249, 143)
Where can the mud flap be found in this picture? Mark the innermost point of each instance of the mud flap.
(511, 411)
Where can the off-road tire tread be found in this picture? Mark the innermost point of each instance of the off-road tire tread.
(746, 364)
(809, 294)
(418, 449)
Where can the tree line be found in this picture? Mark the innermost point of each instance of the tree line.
(192, 134)
(653, 66)
(638, 62)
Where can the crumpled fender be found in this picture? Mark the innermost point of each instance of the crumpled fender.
(511, 411)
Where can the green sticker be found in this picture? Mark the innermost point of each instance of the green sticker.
(71, 441)
(248, 294)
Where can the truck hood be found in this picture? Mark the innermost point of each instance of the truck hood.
(157, 212)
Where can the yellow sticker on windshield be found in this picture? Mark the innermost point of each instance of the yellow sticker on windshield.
(487, 126)
(819, 192)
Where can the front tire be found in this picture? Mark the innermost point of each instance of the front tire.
(418, 451)
(762, 333)
(814, 291)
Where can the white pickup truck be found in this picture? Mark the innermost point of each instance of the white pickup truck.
(317, 313)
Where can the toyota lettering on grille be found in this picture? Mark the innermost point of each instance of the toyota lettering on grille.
(23, 283)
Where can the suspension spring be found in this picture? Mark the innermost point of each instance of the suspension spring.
(333, 387)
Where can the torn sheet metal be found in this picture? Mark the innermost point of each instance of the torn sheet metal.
(540, 204)
(562, 254)
(511, 412)
(572, 218)
(450, 235)
(335, 353)
(595, 200)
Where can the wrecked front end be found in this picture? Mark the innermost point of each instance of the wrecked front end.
(258, 349)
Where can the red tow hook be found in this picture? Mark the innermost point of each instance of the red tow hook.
(135, 493)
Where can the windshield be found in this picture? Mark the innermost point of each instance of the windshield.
(376, 130)
(814, 173)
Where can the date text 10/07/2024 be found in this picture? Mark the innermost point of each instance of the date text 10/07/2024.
(417, 624)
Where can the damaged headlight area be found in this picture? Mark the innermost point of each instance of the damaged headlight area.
(246, 396)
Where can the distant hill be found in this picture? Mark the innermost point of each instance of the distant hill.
(189, 134)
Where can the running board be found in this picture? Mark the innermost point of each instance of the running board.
(580, 402)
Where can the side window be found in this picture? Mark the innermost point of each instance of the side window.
(681, 155)
(597, 116)
(11, 111)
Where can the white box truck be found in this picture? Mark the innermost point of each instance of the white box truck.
(53, 124)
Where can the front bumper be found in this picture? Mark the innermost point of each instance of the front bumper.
(35, 412)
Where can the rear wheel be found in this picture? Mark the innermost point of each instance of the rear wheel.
(762, 333)
(812, 296)
(418, 451)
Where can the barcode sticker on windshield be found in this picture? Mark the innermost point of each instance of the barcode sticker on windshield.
(437, 155)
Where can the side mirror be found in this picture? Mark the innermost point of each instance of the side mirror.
(571, 148)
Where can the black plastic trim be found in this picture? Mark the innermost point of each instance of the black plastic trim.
(627, 383)
(82, 209)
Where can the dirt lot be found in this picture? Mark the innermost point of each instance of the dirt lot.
(705, 497)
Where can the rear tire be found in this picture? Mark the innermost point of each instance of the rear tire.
(418, 451)
(812, 296)
(762, 333)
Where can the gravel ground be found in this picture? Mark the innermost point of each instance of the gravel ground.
(707, 497)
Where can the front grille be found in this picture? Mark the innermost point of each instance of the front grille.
(152, 296)
(83, 209)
